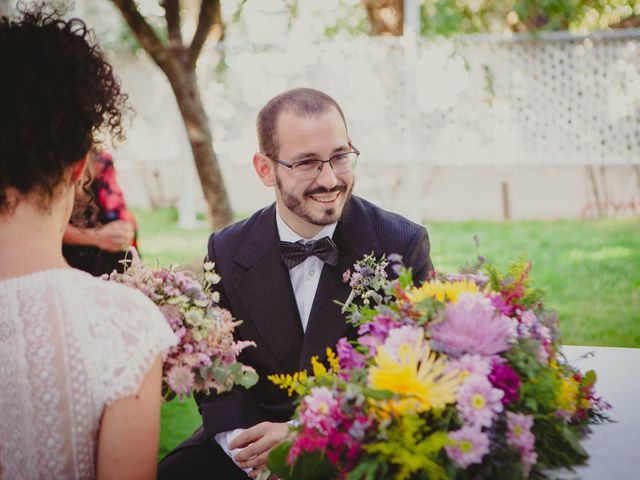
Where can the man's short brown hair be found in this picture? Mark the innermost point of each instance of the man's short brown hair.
(300, 101)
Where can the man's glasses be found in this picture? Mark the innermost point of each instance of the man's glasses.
(310, 169)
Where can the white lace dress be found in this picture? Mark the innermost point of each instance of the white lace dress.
(70, 344)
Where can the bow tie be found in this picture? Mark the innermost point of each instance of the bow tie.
(295, 253)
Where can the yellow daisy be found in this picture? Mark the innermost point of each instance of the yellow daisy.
(417, 376)
(442, 291)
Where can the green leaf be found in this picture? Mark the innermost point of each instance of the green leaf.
(247, 379)
(589, 379)
(365, 470)
(313, 466)
(406, 278)
(377, 394)
(277, 462)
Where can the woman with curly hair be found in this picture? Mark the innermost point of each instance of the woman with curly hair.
(80, 364)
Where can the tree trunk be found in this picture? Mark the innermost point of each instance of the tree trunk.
(185, 88)
(178, 62)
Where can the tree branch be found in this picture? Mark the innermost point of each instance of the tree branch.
(143, 32)
(172, 15)
(209, 15)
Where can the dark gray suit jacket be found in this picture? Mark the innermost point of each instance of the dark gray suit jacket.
(256, 288)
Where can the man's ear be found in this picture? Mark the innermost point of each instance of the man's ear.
(78, 168)
(265, 169)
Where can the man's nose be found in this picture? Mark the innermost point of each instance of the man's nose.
(327, 177)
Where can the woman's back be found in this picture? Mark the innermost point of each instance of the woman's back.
(70, 345)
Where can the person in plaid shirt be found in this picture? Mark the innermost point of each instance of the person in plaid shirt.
(102, 229)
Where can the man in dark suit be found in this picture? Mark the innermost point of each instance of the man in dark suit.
(282, 270)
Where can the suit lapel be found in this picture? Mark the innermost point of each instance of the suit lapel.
(354, 237)
(264, 287)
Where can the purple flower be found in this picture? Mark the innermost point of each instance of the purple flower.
(470, 445)
(478, 401)
(505, 378)
(501, 305)
(374, 333)
(395, 258)
(472, 325)
(348, 357)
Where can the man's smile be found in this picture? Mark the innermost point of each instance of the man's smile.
(326, 197)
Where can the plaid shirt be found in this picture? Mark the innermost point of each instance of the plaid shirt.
(108, 193)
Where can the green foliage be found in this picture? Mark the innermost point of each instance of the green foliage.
(430, 309)
(539, 394)
(540, 384)
(369, 469)
(406, 446)
(501, 465)
(315, 467)
(453, 17)
(352, 22)
(277, 462)
(557, 444)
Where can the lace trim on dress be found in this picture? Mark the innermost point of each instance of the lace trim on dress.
(70, 345)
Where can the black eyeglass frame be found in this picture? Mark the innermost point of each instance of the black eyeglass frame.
(291, 166)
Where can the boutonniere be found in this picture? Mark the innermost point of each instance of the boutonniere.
(368, 278)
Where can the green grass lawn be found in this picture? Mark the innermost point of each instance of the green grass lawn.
(590, 271)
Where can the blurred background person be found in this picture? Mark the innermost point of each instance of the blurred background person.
(101, 229)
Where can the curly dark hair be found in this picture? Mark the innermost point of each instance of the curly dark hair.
(56, 93)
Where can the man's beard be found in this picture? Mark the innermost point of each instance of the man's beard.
(297, 206)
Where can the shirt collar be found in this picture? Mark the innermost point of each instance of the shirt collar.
(287, 235)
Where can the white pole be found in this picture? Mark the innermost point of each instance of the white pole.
(413, 166)
(187, 212)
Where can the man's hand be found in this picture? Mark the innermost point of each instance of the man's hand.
(257, 442)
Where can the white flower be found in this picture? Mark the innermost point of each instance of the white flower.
(212, 277)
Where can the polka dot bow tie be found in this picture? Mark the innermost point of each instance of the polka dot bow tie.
(295, 253)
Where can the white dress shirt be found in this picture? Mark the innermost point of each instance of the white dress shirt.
(306, 275)
(304, 280)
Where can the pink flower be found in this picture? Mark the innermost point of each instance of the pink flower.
(401, 336)
(519, 433)
(470, 445)
(171, 314)
(501, 305)
(472, 325)
(472, 364)
(529, 459)
(478, 402)
(180, 379)
(318, 409)
(520, 437)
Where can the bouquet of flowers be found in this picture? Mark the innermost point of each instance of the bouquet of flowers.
(459, 378)
(205, 357)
